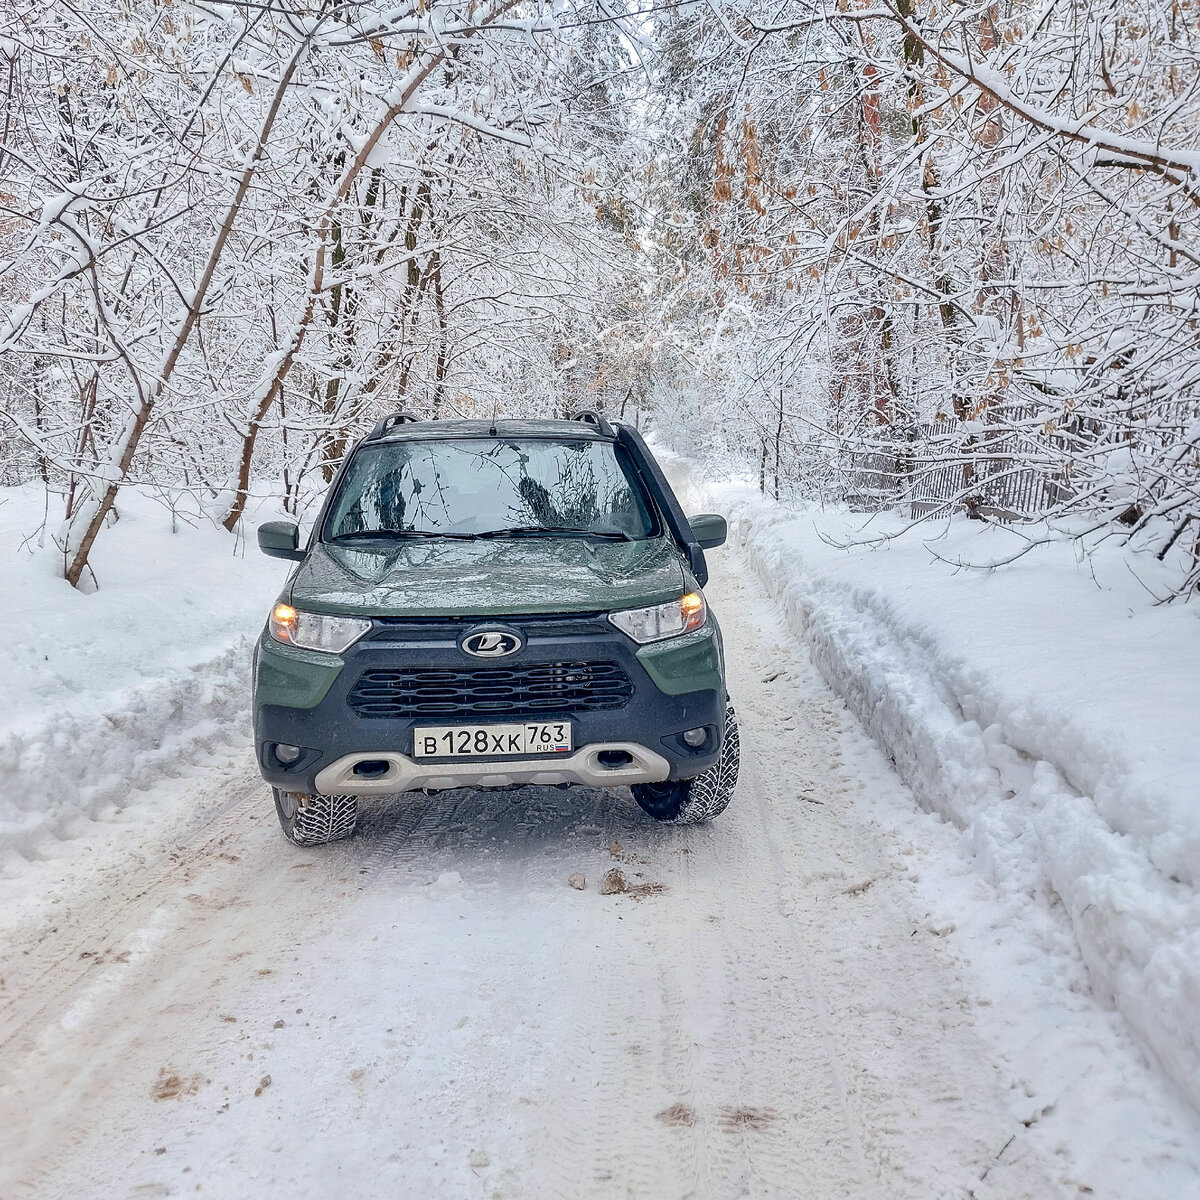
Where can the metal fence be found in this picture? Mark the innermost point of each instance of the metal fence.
(1014, 467)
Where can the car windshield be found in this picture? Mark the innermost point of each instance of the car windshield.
(490, 488)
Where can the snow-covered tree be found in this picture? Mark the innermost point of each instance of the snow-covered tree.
(945, 255)
(231, 219)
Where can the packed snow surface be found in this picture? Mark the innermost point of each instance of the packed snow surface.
(1048, 708)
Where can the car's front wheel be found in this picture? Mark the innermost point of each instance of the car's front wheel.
(693, 801)
(312, 820)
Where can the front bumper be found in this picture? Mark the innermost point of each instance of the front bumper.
(585, 766)
(301, 699)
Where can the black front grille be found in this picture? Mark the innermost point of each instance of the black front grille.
(490, 691)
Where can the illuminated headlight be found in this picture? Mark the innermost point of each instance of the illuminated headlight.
(663, 620)
(315, 631)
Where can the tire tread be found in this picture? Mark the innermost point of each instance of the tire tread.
(318, 819)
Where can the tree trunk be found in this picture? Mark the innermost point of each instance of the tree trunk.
(121, 454)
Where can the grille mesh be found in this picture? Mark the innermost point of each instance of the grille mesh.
(490, 691)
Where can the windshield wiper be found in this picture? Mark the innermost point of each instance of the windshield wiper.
(398, 533)
(517, 531)
(619, 535)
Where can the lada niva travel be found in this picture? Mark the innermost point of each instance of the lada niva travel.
(492, 604)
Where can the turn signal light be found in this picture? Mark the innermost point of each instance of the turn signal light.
(283, 622)
(316, 631)
(662, 620)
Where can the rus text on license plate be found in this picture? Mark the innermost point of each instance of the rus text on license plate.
(491, 741)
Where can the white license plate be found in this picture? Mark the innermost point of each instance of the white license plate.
(491, 741)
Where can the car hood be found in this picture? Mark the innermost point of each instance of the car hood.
(487, 578)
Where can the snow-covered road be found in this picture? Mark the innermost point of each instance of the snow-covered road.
(430, 1010)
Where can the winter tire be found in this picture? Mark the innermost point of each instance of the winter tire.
(310, 820)
(694, 801)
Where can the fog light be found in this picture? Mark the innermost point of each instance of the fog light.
(286, 754)
(695, 737)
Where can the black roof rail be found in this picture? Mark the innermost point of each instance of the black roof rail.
(386, 424)
(590, 417)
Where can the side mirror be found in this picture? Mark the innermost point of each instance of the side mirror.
(280, 539)
(710, 530)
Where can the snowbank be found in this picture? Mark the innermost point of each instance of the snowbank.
(1048, 709)
(101, 694)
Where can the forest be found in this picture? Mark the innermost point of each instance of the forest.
(935, 257)
(834, 828)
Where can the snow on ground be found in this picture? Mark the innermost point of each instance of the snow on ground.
(812, 997)
(1048, 709)
(102, 694)
(818, 995)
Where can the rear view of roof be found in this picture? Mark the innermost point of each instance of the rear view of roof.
(521, 428)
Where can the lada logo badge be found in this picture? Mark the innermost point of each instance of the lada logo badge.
(491, 643)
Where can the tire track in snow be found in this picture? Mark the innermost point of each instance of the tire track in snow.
(756, 1068)
(79, 943)
(77, 1025)
(393, 838)
(912, 1073)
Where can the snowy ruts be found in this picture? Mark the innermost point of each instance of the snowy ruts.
(1052, 720)
(103, 695)
(75, 765)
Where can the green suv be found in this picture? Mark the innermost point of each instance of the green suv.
(492, 604)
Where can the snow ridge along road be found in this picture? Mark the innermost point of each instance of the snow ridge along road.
(1048, 711)
(780, 1006)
